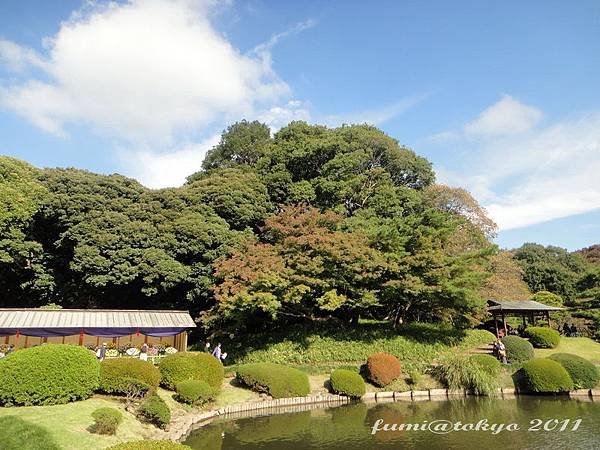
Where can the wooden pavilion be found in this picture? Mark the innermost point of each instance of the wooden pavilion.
(519, 308)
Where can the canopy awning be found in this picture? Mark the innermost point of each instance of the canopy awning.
(519, 306)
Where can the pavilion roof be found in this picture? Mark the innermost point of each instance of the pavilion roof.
(519, 306)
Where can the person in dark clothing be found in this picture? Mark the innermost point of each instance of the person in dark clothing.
(101, 354)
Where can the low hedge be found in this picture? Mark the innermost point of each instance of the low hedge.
(347, 382)
(155, 411)
(585, 375)
(274, 379)
(150, 445)
(194, 392)
(545, 376)
(18, 434)
(518, 350)
(542, 337)
(487, 363)
(116, 374)
(185, 366)
(48, 374)
(382, 368)
(106, 420)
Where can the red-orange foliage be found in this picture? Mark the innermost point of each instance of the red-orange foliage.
(383, 368)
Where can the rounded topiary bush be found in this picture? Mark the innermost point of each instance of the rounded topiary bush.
(106, 420)
(545, 376)
(585, 375)
(274, 379)
(150, 445)
(487, 363)
(194, 392)
(382, 368)
(542, 337)
(517, 349)
(347, 382)
(155, 411)
(116, 374)
(48, 374)
(185, 366)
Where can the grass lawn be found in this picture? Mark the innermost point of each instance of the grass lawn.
(581, 346)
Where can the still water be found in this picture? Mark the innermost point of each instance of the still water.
(542, 422)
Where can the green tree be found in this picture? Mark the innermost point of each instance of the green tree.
(548, 298)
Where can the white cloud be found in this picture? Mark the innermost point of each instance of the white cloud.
(548, 173)
(141, 71)
(507, 116)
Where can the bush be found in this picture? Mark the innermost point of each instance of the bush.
(347, 382)
(542, 337)
(382, 368)
(155, 411)
(48, 374)
(194, 392)
(517, 349)
(584, 374)
(476, 373)
(149, 445)
(18, 434)
(107, 420)
(117, 374)
(276, 380)
(545, 376)
(185, 366)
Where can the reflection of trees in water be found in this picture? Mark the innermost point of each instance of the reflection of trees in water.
(266, 428)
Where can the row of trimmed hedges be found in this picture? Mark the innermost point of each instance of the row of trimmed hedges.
(560, 372)
(274, 379)
(60, 373)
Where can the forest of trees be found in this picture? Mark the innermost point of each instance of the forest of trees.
(309, 224)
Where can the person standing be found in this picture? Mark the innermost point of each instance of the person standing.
(102, 352)
(144, 352)
(207, 347)
(217, 351)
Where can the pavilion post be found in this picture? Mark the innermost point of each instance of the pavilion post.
(548, 318)
(496, 325)
(524, 321)
(504, 323)
(6, 340)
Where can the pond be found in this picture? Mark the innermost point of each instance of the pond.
(543, 422)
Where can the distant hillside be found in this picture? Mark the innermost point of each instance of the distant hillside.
(591, 253)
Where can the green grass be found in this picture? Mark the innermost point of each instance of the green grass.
(18, 434)
(580, 346)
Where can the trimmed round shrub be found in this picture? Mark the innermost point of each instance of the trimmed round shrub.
(542, 337)
(155, 411)
(347, 382)
(18, 434)
(487, 363)
(585, 375)
(150, 445)
(274, 379)
(106, 420)
(185, 366)
(194, 392)
(382, 368)
(48, 374)
(116, 374)
(517, 349)
(545, 376)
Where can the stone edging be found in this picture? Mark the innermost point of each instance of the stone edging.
(180, 428)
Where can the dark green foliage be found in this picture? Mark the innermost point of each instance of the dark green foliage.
(117, 374)
(347, 382)
(106, 420)
(274, 379)
(18, 434)
(478, 375)
(585, 375)
(155, 411)
(545, 376)
(185, 366)
(542, 337)
(487, 363)
(517, 349)
(48, 374)
(194, 392)
(382, 368)
(150, 445)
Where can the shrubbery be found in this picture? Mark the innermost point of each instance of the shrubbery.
(584, 374)
(48, 374)
(117, 374)
(347, 382)
(194, 392)
(517, 349)
(545, 376)
(477, 373)
(185, 366)
(382, 368)
(149, 445)
(487, 363)
(106, 420)
(276, 380)
(18, 434)
(155, 411)
(542, 337)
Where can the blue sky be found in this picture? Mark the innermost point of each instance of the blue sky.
(502, 97)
